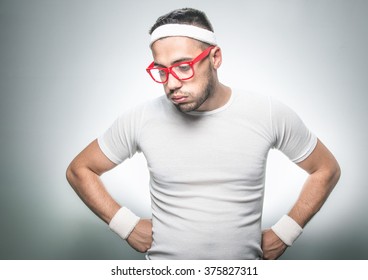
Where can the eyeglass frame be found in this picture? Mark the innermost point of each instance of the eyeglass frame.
(168, 70)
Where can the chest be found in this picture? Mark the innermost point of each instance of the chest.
(198, 150)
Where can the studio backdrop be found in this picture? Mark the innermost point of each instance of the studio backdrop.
(69, 68)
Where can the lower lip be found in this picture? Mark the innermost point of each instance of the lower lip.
(179, 100)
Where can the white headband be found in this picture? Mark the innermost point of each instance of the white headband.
(183, 30)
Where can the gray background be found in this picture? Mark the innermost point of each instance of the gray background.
(69, 68)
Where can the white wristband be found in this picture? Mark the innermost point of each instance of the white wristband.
(123, 222)
(287, 230)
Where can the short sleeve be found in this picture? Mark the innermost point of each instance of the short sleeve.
(291, 136)
(120, 140)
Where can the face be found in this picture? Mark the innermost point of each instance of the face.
(195, 93)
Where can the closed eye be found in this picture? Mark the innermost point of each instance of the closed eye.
(183, 67)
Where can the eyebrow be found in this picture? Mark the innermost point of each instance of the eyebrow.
(184, 59)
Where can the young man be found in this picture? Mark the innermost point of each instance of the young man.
(206, 146)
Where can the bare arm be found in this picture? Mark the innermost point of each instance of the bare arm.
(83, 174)
(324, 173)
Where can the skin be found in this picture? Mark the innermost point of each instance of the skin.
(170, 50)
(324, 173)
(203, 92)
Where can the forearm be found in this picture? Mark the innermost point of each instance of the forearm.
(92, 191)
(83, 174)
(315, 192)
(324, 172)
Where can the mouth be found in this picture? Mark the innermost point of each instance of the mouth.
(178, 99)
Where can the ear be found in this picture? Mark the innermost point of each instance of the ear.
(216, 57)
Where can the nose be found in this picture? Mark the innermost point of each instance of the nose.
(173, 83)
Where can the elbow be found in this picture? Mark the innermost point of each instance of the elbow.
(327, 176)
(78, 174)
(72, 174)
(337, 173)
(333, 174)
(69, 174)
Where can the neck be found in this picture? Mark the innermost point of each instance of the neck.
(218, 98)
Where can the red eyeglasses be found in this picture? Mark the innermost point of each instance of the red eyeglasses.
(181, 71)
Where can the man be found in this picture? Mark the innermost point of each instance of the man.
(206, 146)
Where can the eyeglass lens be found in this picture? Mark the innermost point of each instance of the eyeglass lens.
(182, 71)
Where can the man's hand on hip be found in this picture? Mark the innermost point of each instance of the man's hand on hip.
(273, 247)
(141, 237)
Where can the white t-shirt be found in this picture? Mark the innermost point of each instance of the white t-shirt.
(207, 170)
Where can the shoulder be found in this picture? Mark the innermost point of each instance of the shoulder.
(251, 105)
(147, 107)
(249, 99)
(258, 103)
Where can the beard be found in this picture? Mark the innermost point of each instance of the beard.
(201, 98)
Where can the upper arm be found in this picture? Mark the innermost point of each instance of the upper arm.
(290, 135)
(92, 158)
(321, 160)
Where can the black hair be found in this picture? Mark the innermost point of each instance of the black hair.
(184, 16)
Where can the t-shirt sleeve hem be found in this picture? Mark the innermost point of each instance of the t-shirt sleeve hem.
(107, 151)
(309, 149)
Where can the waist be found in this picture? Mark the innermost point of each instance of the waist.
(207, 240)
